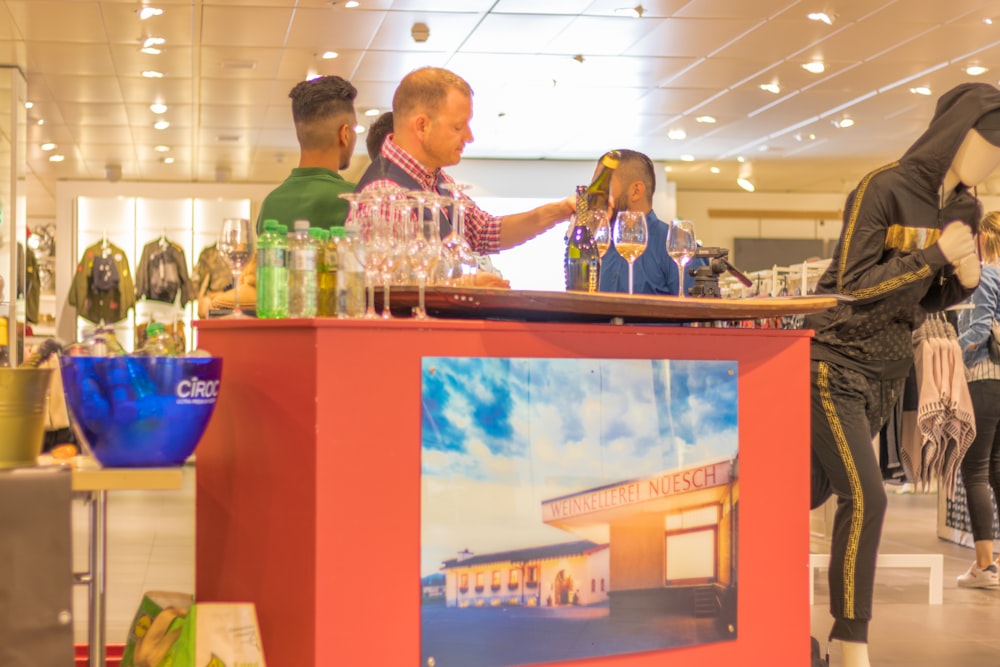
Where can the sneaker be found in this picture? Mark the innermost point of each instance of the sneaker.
(976, 578)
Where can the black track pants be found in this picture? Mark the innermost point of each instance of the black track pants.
(848, 411)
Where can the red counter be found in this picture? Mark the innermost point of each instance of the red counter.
(308, 485)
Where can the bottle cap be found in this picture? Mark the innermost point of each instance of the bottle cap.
(318, 233)
(300, 225)
(154, 328)
(282, 229)
(337, 232)
(270, 224)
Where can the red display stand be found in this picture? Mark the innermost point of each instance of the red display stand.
(308, 484)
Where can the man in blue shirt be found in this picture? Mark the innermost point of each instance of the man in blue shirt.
(632, 187)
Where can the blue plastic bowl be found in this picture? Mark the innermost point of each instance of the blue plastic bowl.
(141, 411)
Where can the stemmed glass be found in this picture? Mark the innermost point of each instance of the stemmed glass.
(236, 243)
(600, 231)
(395, 210)
(463, 260)
(424, 245)
(363, 206)
(631, 236)
(681, 246)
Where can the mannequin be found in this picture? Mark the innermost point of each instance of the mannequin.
(906, 249)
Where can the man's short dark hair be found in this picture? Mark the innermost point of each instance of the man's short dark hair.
(379, 130)
(635, 166)
(318, 100)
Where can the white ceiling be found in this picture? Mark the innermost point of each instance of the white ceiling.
(228, 66)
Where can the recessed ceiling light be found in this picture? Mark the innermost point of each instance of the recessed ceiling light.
(40, 121)
(814, 66)
(920, 90)
(667, 168)
(153, 41)
(351, 4)
(975, 70)
(715, 170)
(167, 160)
(705, 119)
(843, 122)
(149, 12)
(822, 17)
(372, 112)
(161, 125)
(687, 157)
(988, 21)
(152, 74)
(57, 158)
(771, 88)
(28, 105)
(677, 134)
(359, 128)
(158, 108)
(151, 50)
(329, 55)
(48, 146)
(161, 148)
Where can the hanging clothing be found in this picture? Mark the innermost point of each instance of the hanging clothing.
(945, 423)
(162, 273)
(212, 266)
(33, 292)
(102, 288)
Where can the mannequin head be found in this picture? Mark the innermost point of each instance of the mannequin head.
(978, 154)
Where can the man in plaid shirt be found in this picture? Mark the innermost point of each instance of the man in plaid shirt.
(431, 112)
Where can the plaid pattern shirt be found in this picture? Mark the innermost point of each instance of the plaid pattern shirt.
(482, 230)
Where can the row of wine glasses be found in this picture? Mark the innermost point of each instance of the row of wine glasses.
(631, 236)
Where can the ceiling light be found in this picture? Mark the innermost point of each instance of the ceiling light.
(771, 88)
(351, 4)
(28, 105)
(151, 50)
(822, 17)
(48, 146)
(153, 41)
(745, 177)
(705, 119)
(167, 160)
(715, 170)
(40, 121)
(329, 55)
(814, 66)
(667, 168)
(158, 108)
(920, 90)
(359, 128)
(988, 21)
(975, 70)
(635, 12)
(57, 158)
(152, 74)
(843, 122)
(372, 112)
(161, 148)
(677, 134)
(161, 125)
(687, 157)
(149, 12)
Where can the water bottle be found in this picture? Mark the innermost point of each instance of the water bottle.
(302, 285)
(159, 343)
(326, 273)
(350, 274)
(272, 272)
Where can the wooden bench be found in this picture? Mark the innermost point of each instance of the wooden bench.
(935, 562)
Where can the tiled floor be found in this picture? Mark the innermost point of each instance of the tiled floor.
(151, 547)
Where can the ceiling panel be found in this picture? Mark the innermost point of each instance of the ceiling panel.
(693, 38)
(59, 21)
(334, 29)
(245, 26)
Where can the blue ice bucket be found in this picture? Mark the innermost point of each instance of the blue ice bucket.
(141, 411)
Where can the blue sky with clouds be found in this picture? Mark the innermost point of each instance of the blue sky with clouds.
(499, 436)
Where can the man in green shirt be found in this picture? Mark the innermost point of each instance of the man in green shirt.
(323, 110)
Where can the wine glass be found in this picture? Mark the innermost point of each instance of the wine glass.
(601, 231)
(681, 246)
(236, 243)
(361, 206)
(463, 262)
(631, 235)
(424, 246)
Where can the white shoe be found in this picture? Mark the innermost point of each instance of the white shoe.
(976, 578)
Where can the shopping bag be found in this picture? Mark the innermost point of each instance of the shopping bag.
(204, 634)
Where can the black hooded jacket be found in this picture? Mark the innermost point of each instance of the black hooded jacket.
(887, 260)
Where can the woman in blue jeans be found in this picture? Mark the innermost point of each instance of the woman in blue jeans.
(981, 465)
